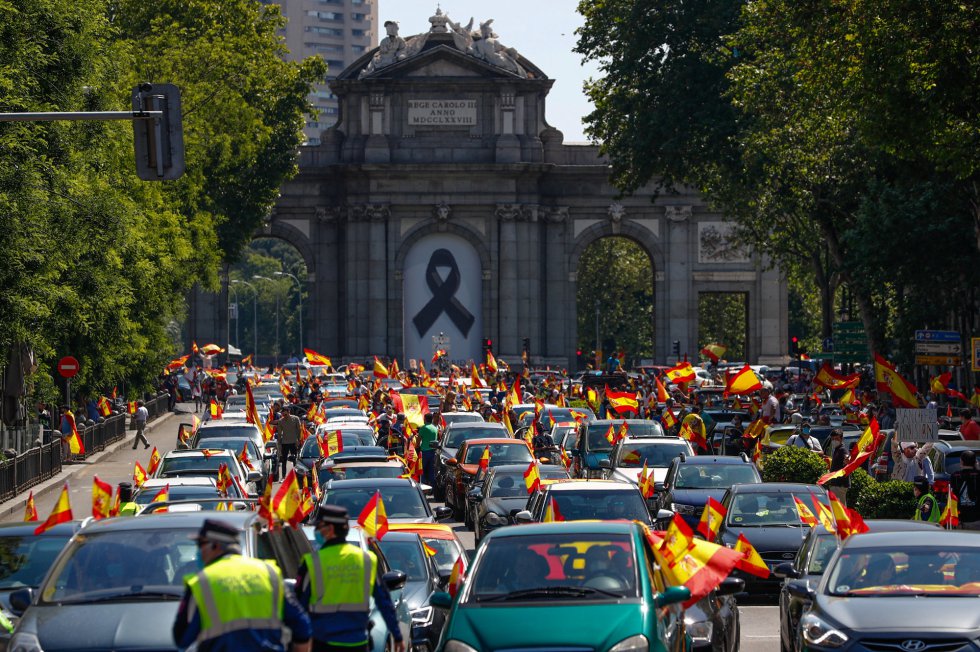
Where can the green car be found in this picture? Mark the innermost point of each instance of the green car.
(582, 585)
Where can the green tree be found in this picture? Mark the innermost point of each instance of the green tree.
(722, 317)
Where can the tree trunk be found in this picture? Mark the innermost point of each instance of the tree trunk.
(825, 284)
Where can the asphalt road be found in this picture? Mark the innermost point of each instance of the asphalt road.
(759, 620)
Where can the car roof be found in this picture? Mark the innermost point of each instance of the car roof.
(565, 527)
(521, 468)
(957, 445)
(464, 425)
(903, 540)
(371, 482)
(708, 460)
(650, 441)
(21, 529)
(221, 423)
(431, 530)
(395, 535)
(593, 485)
(494, 440)
(776, 488)
(168, 521)
(180, 481)
(197, 452)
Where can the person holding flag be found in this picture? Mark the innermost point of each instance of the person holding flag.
(838, 460)
(333, 582)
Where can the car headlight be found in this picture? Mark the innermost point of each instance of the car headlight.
(495, 519)
(699, 630)
(458, 646)
(683, 509)
(422, 616)
(24, 642)
(818, 632)
(636, 643)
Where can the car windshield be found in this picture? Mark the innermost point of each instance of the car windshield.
(824, 549)
(456, 436)
(564, 436)
(350, 438)
(405, 556)
(234, 444)
(499, 454)
(906, 570)
(360, 472)
(559, 567)
(601, 504)
(239, 430)
(122, 565)
(769, 509)
(401, 501)
(446, 552)
(714, 476)
(598, 442)
(25, 559)
(450, 419)
(185, 492)
(508, 485)
(635, 454)
(195, 465)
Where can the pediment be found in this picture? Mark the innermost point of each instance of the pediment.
(441, 61)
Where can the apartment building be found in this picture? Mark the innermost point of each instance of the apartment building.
(339, 31)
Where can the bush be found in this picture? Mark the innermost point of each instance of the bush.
(860, 482)
(892, 499)
(793, 464)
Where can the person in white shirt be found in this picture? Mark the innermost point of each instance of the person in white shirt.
(770, 407)
(804, 440)
(142, 414)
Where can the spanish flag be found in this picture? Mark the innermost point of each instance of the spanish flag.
(61, 513)
(711, 519)
(131, 407)
(30, 510)
(331, 443)
(485, 458)
(668, 419)
(380, 371)
(315, 359)
(750, 562)
(823, 514)
(373, 518)
(116, 504)
(491, 363)
(225, 480)
(611, 435)
(806, 516)
(682, 372)
(552, 514)
(888, 380)
(216, 410)
(456, 577)
(532, 479)
(247, 360)
(105, 408)
(645, 481)
(475, 380)
(846, 399)
(75, 444)
(412, 405)
(830, 379)
(244, 460)
(162, 496)
(694, 434)
(154, 461)
(622, 402)
(662, 394)
(265, 504)
(101, 498)
(742, 382)
(951, 515)
(211, 349)
(177, 363)
(714, 351)
(678, 540)
(139, 475)
(288, 501)
(702, 567)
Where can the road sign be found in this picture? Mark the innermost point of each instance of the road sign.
(828, 344)
(849, 326)
(937, 336)
(68, 367)
(938, 348)
(851, 357)
(916, 425)
(975, 353)
(939, 360)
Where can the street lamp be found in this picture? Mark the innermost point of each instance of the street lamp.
(299, 291)
(266, 278)
(255, 319)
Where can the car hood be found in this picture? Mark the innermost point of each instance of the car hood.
(416, 594)
(696, 497)
(903, 614)
(486, 627)
(767, 539)
(503, 506)
(633, 475)
(116, 626)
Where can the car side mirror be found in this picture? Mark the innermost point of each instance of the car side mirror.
(523, 516)
(441, 600)
(452, 462)
(800, 589)
(730, 586)
(605, 464)
(444, 575)
(435, 445)
(394, 579)
(20, 600)
(664, 515)
(475, 493)
(442, 513)
(786, 569)
(672, 595)
(253, 476)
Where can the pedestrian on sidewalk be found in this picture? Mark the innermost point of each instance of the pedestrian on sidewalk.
(65, 428)
(142, 414)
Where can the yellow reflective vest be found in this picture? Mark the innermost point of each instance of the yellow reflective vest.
(128, 509)
(351, 573)
(236, 593)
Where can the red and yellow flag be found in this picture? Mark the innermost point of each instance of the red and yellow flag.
(867, 445)
(105, 408)
(888, 380)
(373, 517)
(742, 382)
(677, 541)
(645, 481)
(101, 498)
(694, 434)
(216, 410)
(830, 379)
(75, 444)
(225, 480)
(139, 475)
(711, 519)
(751, 562)
(162, 496)
(30, 510)
(154, 461)
(622, 402)
(265, 504)
(668, 418)
(485, 458)
(551, 513)
(806, 516)
(116, 504)
(823, 514)
(287, 504)
(662, 394)
(60, 513)
(703, 566)
(331, 443)
(211, 349)
(131, 408)
(243, 458)
(532, 479)
(682, 372)
(491, 363)
(951, 515)
(315, 359)
(380, 371)
(456, 577)
(714, 351)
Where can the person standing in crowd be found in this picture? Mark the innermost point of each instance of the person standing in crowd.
(142, 414)
(333, 584)
(126, 505)
(926, 508)
(911, 461)
(288, 430)
(804, 440)
(964, 483)
(969, 428)
(64, 426)
(838, 460)
(427, 436)
(237, 604)
(770, 407)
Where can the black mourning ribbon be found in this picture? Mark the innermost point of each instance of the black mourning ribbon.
(443, 296)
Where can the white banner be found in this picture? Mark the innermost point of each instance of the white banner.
(916, 425)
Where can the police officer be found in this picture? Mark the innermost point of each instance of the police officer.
(235, 603)
(336, 584)
(126, 505)
(926, 509)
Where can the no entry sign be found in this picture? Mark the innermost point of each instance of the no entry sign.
(68, 367)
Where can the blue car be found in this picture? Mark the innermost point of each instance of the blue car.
(692, 479)
(593, 446)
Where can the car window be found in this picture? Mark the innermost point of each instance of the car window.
(596, 437)
(510, 485)
(446, 550)
(768, 509)
(195, 464)
(405, 556)
(825, 547)
(499, 454)
(611, 504)
(361, 472)
(922, 570)
(456, 436)
(636, 454)
(403, 501)
(210, 432)
(25, 559)
(235, 445)
(714, 476)
(527, 568)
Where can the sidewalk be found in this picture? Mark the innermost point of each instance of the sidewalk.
(16, 505)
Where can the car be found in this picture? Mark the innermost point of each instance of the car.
(629, 457)
(463, 468)
(310, 451)
(592, 445)
(691, 480)
(717, 424)
(502, 493)
(405, 552)
(945, 457)
(117, 583)
(189, 488)
(440, 537)
(546, 586)
(907, 591)
(766, 513)
(344, 412)
(355, 468)
(449, 418)
(603, 500)
(452, 438)
(403, 499)
(808, 567)
(260, 460)
(564, 433)
(713, 622)
(206, 461)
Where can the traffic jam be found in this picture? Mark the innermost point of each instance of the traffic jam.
(503, 508)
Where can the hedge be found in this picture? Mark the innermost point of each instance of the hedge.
(793, 464)
(892, 499)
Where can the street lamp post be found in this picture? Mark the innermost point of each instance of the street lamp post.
(299, 291)
(255, 317)
(266, 278)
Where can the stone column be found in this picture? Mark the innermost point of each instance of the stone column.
(509, 342)
(377, 149)
(555, 336)
(508, 144)
(324, 325)
(372, 303)
(681, 300)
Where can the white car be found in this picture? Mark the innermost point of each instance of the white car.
(627, 458)
(187, 488)
(199, 462)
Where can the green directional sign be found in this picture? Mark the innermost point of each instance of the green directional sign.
(842, 326)
(857, 356)
(850, 342)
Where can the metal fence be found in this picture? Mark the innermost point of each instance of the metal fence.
(42, 462)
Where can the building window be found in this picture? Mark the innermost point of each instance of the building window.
(329, 31)
(358, 32)
(326, 15)
(330, 110)
(313, 125)
(331, 2)
(312, 142)
(358, 49)
(325, 47)
(357, 16)
(358, 2)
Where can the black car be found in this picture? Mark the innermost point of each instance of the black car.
(501, 493)
(692, 479)
(405, 552)
(713, 622)
(403, 499)
(452, 438)
(767, 515)
(903, 591)
(808, 568)
(945, 457)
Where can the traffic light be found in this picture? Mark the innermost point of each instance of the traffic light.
(677, 347)
(158, 141)
(794, 346)
(487, 346)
